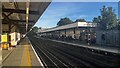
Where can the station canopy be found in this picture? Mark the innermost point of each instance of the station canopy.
(15, 13)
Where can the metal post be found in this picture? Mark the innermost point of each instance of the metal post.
(74, 33)
(0, 17)
(88, 33)
(65, 32)
(0, 21)
(119, 22)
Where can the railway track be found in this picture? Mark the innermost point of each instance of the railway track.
(48, 59)
(60, 55)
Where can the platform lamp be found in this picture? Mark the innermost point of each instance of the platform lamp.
(27, 13)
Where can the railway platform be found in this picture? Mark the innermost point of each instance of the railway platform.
(20, 56)
(94, 47)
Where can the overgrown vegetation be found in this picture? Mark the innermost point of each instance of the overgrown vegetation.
(107, 20)
(64, 21)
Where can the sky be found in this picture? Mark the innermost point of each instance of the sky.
(72, 10)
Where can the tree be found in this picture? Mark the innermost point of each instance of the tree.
(107, 20)
(96, 20)
(64, 21)
(80, 20)
(35, 29)
(40, 28)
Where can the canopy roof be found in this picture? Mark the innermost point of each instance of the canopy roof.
(15, 13)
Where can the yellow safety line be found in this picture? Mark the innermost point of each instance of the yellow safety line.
(26, 54)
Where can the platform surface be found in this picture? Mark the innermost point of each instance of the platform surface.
(102, 48)
(22, 55)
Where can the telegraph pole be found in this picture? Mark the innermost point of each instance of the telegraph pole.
(119, 21)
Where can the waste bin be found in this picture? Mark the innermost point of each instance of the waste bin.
(5, 41)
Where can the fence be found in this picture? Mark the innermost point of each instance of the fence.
(108, 38)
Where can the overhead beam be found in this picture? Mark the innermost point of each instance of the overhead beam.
(29, 24)
(25, 26)
(8, 15)
(7, 19)
(19, 11)
(22, 21)
(18, 20)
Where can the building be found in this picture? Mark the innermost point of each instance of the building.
(78, 30)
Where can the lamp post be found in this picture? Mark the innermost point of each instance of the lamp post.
(119, 22)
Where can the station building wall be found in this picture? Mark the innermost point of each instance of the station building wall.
(62, 32)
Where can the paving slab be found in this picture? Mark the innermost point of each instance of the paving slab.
(23, 55)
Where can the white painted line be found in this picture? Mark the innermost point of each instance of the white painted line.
(36, 54)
